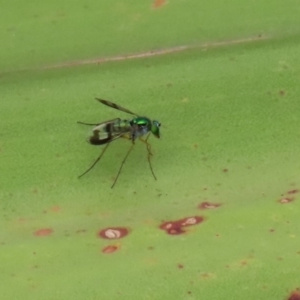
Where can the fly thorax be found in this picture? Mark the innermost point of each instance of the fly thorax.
(140, 126)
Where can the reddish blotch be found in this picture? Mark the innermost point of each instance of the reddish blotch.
(286, 200)
(113, 233)
(177, 227)
(55, 208)
(295, 295)
(110, 249)
(208, 205)
(159, 3)
(293, 191)
(43, 232)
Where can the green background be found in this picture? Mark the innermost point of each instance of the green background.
(229, 108)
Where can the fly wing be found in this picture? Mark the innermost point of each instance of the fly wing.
(115, 106)
(98, 124)
(109, 131)
(97, 140)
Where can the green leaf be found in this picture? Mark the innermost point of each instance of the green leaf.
(222, 78)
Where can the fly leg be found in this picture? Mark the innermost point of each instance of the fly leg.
(149, 153)
(128, 152)
(91, 167)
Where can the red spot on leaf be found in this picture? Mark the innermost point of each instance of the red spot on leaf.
(209, 205)
(295, 295)
(176, 227)
(43, 232)
(158, 3)
(191, 221)
(175, 231)
(180, 266)
(293, 191)
(113, 233)
(286, 200)
(55, 208)
(110, 249)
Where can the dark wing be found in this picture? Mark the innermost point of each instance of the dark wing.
(97, 140)
(109, 131)
(97, 124)
(115, 106)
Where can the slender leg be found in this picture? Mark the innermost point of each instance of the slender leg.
(149, 153)
(122, 165)
(91, 167)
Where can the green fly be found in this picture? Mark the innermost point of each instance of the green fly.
(105, 132)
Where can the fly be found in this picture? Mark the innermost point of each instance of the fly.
(137, 128)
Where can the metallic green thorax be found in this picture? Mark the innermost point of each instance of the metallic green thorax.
(149, 125)
(142, 126)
